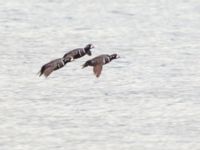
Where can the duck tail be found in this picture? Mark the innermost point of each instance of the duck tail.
(85, 64)
(41, 70)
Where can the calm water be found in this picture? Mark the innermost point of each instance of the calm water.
(147, 99)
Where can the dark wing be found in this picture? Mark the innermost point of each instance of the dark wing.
(48, 71)
(97, 70)
(48, 68)
(42, 69)
(87, 63)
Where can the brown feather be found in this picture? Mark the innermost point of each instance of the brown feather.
(97, 70)
(48, 71)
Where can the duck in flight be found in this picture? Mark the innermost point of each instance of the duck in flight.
(56, 64)
(98, 62)
(79, 52)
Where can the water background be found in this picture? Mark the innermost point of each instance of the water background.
(147, 99)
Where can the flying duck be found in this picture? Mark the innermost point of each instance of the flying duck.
(53, 65)
(99, 61)
(79, 52)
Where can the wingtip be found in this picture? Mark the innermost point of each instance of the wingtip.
(82, 66)
(39, 73)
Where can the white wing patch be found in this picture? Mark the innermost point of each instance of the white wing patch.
(79, 51)
(104, 60)
(62, 62)
(84, 50)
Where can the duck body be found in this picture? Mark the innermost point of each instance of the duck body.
(98, 62)
(79, 52)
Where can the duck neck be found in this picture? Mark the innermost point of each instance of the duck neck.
(111, 58)
(87, 48)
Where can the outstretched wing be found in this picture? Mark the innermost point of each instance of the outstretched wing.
(97, 70)
(48, 71)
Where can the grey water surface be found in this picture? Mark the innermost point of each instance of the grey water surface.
(147, 99)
